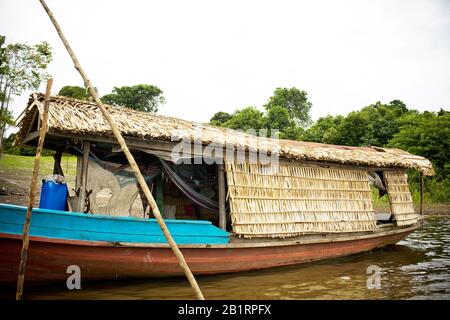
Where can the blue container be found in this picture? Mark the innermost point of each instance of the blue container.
(53, 196)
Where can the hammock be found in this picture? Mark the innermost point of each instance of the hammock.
(188, 191)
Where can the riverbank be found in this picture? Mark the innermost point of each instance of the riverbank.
(429, 209)
(15, 178)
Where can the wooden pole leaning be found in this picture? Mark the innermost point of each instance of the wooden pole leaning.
(129, 157)
(37, 161)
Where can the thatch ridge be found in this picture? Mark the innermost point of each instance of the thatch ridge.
(69, 115)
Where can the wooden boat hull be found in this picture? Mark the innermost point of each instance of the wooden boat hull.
(48, 259)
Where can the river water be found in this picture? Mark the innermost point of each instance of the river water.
(416, 268)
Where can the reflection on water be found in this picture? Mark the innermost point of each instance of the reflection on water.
(417, 268)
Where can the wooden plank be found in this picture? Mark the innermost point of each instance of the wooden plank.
(83, 176)
(57, 166)
(222, 195)
(35, 115)
(31, 136)
(159, 191)
(421, 193)
(57, 169)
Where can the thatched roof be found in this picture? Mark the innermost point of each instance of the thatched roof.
(80, 117)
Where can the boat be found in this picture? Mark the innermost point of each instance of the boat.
(261, 204)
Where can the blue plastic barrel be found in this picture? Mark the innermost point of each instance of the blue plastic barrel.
(53, 196)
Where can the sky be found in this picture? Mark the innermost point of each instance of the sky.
(209, 56)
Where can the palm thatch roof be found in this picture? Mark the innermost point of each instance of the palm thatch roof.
(72, 116)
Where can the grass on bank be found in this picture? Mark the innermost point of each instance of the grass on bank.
(24, 164)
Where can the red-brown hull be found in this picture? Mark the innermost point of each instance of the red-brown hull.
(48, 259)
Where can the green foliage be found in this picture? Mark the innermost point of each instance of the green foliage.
(25, 66)
(428, 135)
(246, 119)
(6, 117)
(438, 190)
(142, 97)
(295, 101)
(22, 67)
(219, 118)
(392, 125)
(286, 112)
(22, 150)
(373, 125)
(278, 118)
(74, 92)
(324, 130)
(3, 60)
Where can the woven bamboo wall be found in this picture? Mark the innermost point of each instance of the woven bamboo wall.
(400, 198)
(290, 200)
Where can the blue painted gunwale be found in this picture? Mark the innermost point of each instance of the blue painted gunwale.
(80, 226)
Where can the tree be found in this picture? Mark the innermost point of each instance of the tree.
(427, 135)
(142, 97)
(22, 67)
(6, 117)
(324, 130)
(220, 118)
(373, 125)
(295, 101)
(278, 118)
(74, 92)
(245, 119)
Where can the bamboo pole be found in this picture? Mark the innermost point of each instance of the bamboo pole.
(129, 156)
(37, 161)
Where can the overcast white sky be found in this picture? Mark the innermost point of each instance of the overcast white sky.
(210, 56)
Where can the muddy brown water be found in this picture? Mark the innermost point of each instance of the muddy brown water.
(416, 268)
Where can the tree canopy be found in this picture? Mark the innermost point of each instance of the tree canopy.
(373, 125)
(219, 118)
(246, 119)
(22, 67)
(142, 97)
(74, 92)
(286, 112)
(295, 101)
(426, 134)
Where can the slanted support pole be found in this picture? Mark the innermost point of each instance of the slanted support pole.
(129, 156)
(34, 177)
